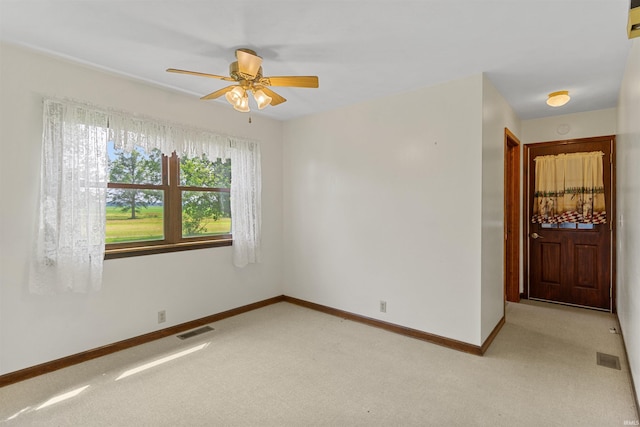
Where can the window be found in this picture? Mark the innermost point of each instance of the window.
(157, 203)
(569, 226)
(69, 244)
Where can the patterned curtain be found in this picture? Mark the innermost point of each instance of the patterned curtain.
(569, 188)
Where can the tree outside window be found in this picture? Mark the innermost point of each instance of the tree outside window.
(157, 200)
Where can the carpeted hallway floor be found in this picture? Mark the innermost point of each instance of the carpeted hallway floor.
(284, 365)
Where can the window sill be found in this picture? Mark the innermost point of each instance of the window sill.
(161, 249)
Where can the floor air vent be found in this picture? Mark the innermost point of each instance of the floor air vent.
(198, 332)
(608, 360)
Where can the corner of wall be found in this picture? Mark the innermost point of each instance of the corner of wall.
(497, 115)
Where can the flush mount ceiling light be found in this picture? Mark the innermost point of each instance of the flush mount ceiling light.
(247, 73)
(558, 99)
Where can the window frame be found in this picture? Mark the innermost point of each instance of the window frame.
(172, 217)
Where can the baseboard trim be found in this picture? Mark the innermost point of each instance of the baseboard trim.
(626, 356)
(54, 365)
(74, 359)
(492, 335)
(402, 330)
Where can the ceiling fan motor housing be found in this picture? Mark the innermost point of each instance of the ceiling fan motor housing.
(237, 75)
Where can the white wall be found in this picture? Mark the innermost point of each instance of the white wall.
(570, 126)
(188, 285)
(628, 210)
(383, 202)
(496, 115)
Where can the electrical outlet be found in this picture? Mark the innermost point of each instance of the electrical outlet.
(162, 316)
(383, 306)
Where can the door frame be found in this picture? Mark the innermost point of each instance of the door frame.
(511, 217)
(526, 209)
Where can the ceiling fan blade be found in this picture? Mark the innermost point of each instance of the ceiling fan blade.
(275, 98)
(292, 81)
(218, 93)
(248, 63)
(195, 73)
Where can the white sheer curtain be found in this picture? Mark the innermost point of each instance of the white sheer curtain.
(246, 188)
(69, 247)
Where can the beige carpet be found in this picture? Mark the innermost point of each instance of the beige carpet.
(285, 365)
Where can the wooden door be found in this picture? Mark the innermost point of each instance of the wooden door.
(571, 262)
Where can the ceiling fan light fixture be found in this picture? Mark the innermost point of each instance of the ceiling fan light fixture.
(235, 95)
(262, 99)
(243, 105)
(558, 99)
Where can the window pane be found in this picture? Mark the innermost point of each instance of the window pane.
(201, 172)
(205, 213)
(137, 167)
(134, 215)
(582, 226)
(571, 225)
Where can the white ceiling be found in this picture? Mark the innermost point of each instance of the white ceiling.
(360, 49)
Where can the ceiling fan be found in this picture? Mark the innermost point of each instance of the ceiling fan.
(247, 73)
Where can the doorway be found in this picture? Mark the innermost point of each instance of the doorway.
(570, 261)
